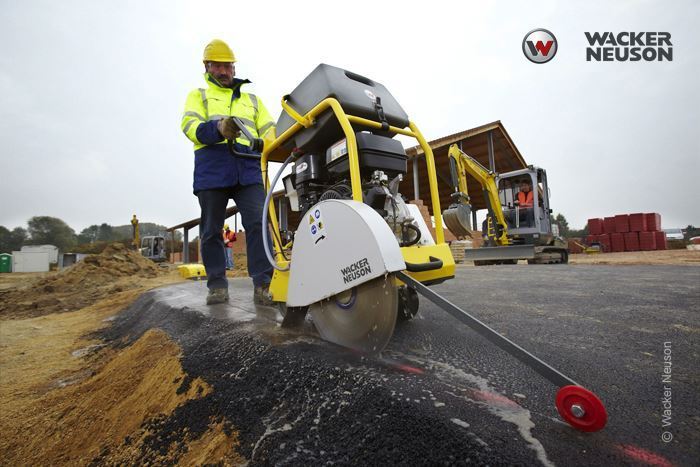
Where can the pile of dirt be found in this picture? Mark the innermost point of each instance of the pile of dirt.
(115, 261)
(112, 416)
(115, 270)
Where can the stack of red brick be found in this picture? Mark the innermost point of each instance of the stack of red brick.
(627, 232)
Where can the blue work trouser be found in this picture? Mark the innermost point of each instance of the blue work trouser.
(229, 258)
(249, 199)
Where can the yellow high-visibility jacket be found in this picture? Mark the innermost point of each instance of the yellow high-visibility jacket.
(214, 166)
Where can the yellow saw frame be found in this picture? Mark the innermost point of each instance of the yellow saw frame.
(273, 151)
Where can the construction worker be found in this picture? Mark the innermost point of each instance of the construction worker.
(219, 176)
(229, 238)
(525, 203)
(525, 194)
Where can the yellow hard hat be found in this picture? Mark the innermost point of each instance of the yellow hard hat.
(225, 226)
(218, 51)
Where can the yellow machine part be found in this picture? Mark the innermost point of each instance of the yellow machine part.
(422, 254)
(411, 254)
(415, 254)
(191, 271)
(279, 283)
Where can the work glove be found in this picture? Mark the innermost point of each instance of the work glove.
(228, 129)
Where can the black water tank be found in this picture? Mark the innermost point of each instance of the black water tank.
(375, 153)
(355, 94)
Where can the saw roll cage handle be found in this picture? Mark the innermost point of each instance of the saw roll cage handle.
(346, 121)
(256, 144)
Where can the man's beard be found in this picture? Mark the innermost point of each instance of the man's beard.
(224, 80)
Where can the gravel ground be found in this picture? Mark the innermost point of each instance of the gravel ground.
(439, 393)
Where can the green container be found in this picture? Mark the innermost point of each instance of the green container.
(5, 262)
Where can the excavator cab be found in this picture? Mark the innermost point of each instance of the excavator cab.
(529, 219)
(153, 248)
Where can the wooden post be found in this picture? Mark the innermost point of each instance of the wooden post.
(186, 246)
(492, 157)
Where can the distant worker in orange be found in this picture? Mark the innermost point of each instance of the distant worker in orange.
(229, 238)
(526, 203)
(525, 194)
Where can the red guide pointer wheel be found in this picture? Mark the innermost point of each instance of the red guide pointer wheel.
(581, 408)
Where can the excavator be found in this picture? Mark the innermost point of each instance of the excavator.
(153, 248)
(511, 232)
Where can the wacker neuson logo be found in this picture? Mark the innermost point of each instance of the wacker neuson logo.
(629, 46)
(539, 46)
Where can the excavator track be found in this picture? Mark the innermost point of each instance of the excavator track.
(550, 256)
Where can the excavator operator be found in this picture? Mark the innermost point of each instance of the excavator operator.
(525, 204)
(525, 194)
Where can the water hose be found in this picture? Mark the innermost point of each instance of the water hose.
(265, 232)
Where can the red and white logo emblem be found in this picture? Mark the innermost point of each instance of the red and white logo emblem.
(539, 46)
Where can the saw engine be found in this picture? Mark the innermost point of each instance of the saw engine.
(321, 177)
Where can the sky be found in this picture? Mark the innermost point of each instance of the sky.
(91, 95)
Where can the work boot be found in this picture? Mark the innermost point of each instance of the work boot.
(217, 296)
(262, 297)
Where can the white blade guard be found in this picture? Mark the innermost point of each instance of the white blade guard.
(338, 245)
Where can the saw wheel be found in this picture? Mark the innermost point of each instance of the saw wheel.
(362, 318)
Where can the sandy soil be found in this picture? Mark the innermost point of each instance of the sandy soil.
(115, 270)
(240, 266)
(18, 279)
(67, 398)
(673, 257)
(667, 257)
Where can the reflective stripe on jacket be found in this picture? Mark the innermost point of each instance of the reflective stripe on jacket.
(214, 166)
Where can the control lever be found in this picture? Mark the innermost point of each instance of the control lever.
(256, 144)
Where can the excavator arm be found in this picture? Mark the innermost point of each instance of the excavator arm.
(462, 164)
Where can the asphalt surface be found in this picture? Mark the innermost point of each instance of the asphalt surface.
(440, 394)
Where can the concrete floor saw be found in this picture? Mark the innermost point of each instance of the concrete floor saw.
(360, 255)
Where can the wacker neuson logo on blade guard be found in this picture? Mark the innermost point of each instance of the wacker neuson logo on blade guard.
(629, 47)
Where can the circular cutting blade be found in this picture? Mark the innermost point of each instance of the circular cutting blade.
(362, 318)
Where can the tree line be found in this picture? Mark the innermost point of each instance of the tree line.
(47, 230)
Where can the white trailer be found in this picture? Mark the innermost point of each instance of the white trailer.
(50, 249)
(30, 261)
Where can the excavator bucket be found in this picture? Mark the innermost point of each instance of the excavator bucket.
(500, 253)
(457, 219)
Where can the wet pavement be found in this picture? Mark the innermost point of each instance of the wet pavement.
(439, 393)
